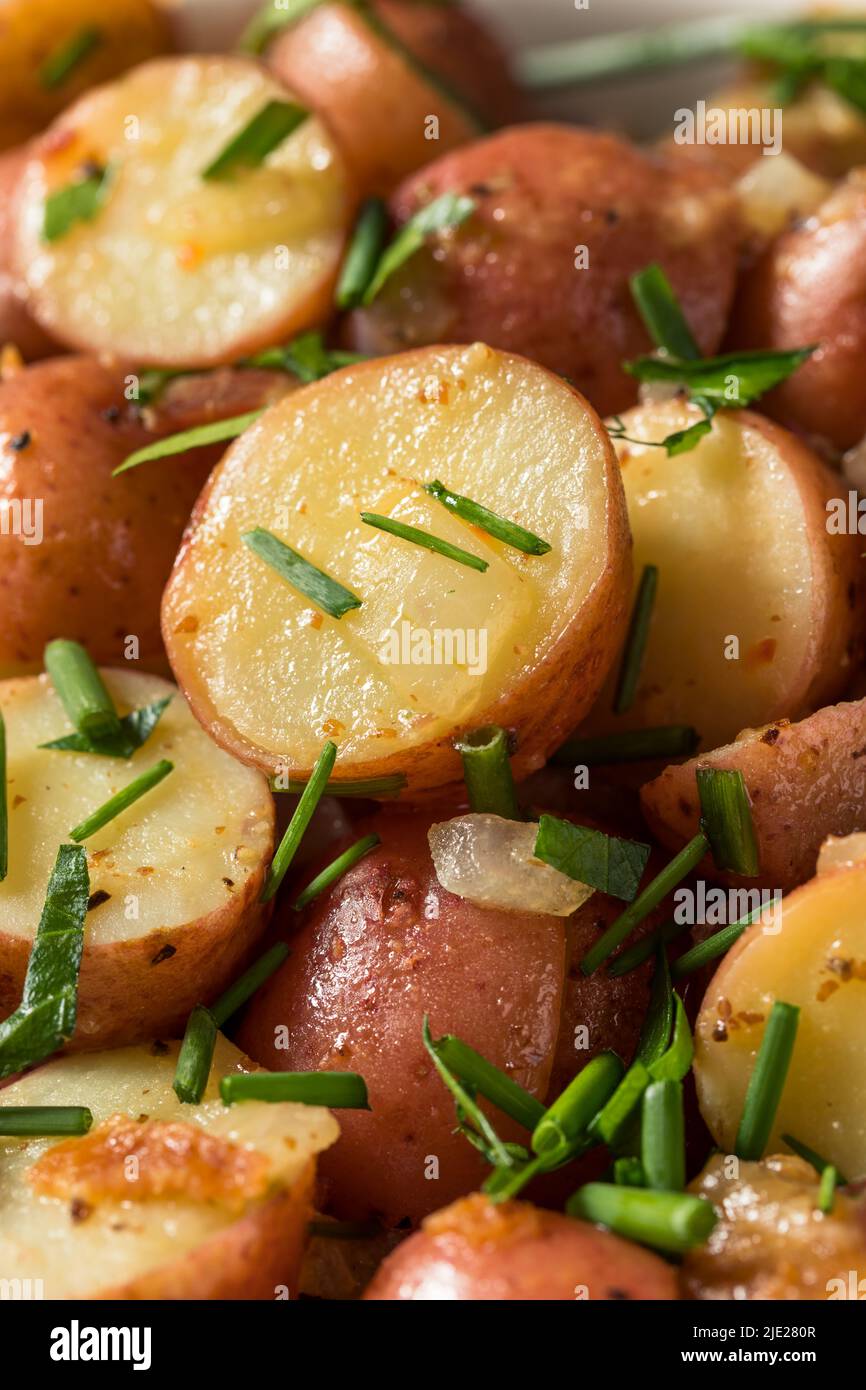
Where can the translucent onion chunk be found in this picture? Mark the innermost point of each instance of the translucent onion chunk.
(841, 852)
(490, 861)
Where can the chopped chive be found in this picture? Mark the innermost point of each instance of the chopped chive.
(656, 1031)
(642, 950)
(567, 1119)
(636, 640)
(508, 531)
(670, 1221)
(310, 798)
(767, 1081)
(732, 380)
(676, 1060)
(65, 59)
(43, 1121)
(610, 1122)
(424, 538)
(339, 1090)
(344, 1230)
(214, 433)
(373, 787)
(714, 946)
(589, 856)
(659, 308)
(726, 818)
(827, 1189)
(472, 1122)
(632, 745)
(122, 800)
(4, 806)
(489, 1081)
(448, 210)
(196, 1056)
(134, 731)
(663, 1136)
(505, 1183)
(75, 202)
(267, 129)
(326, 593)
(688, 857)
(335, 870)
(627, 1172)
(363, 254)
(81, 690)
(305, 357)
(245, 986)
(487, 772)
(810, 1156)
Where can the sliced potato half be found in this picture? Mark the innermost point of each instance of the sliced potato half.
(174, 880)
(171, 267)
(816, 959)
(756, 613)
(436, 648)
(159, 1200)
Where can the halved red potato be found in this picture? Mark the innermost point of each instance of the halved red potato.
(810, 287)
(814, 956)
(84, 554)
(172, 268)
(271, 676)
(772, 1241)
(175, 880)
(563, 218)
(758, 613)
(478, 1251)
(805, 781)
(17, 325)
(160, 1200)
(381, 76)
(387, 945)
(35, 34)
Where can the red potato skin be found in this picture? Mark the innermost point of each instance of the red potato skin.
(476, 1251)
(508, 276)
(387, 945)
(108, 543)
(809, 287)
(17, 326)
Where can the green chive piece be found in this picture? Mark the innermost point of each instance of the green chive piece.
(815, 1159)
(45, 1018)
(425, 539)
(687, 859)
(505, 1183)
(733, 380)
(481, 1076)
(827, 1189)
(609, 1124)
(196, 1056)
(589, 856)
(363, 254)
(335, 870)
(448, 210)
(267, 22)
(310, 798)
(473, 1124)
(726, 818)
(507, 531)
(44, 1121)
(633, 745)
(663, 1136)
(4, 806)
(628, 1172)
(134, 731)
(675, 1062)
(714, 946)
(326, 593)
(670, 1221)
(122, 800)
(659, 308)
(245, 986)
(642, 950)
(270, 126)
(81, 690)
(65, 59)
(487, 772)
(75, 202)
(339, 1090)
(767, 1081)
(305, 357)
(656, 1031)
(373, 787)
(568, 1118)
(636, 640)
(214, 433)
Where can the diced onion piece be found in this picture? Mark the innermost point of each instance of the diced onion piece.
(841, 852)
(775, 190)
(490, 861)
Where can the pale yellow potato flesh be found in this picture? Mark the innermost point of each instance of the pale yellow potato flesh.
(173, 268)
(817, 961)
(121, 1241)
(272, 676)
(737, 529)
(174, 852)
